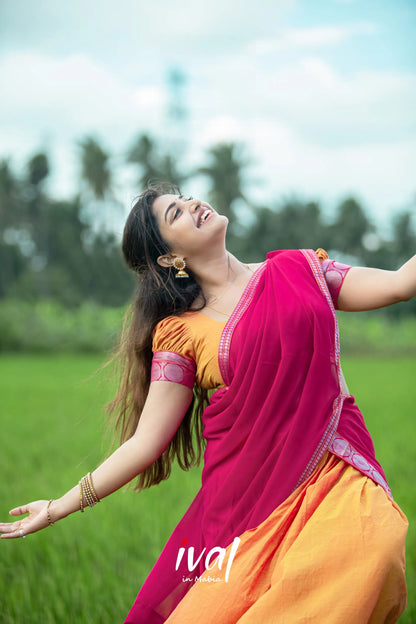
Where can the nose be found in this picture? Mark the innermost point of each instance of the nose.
(195, 205)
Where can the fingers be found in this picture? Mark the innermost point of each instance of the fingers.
(11, 529)
(18, 511)
(19, 533)
(36, 520)
(10, 526)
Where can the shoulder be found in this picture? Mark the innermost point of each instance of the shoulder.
(169, 322)
(278, 255)
(173, 334)
(255, 265)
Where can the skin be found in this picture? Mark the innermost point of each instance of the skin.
(205, 253)
(221, 275)
(222, 278)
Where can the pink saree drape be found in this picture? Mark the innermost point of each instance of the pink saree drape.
(266, 431)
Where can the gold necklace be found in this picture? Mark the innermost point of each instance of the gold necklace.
(219, 311)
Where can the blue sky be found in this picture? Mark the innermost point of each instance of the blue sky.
(321, 93)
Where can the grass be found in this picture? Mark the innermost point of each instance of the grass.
(90, 567)
(45, 326)
(385, 390)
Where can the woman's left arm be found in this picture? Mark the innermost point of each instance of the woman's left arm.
(366, 288)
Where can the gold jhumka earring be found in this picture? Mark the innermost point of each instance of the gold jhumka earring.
(179, 263)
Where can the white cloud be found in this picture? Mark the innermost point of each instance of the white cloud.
(73, 94)
(314, 37)
(312, 97)
(378, 174)
(311, 128)
(117, 30)
(52, 102)
(222, 128)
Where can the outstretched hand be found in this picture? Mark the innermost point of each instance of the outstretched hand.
(35, 521)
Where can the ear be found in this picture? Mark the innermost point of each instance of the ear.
(166, 261)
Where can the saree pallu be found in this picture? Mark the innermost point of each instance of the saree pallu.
(269, 428)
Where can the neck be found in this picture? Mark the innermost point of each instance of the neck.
(216, 271)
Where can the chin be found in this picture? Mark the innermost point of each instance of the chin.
(219, 228)
(223, 218)
(222, 229)
(222, 223)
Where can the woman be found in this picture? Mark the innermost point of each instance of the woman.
(294, 520)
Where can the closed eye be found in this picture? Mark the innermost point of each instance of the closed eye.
(175, 214)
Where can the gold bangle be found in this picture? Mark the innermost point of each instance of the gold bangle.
(88, 490)
(92, 490)
(81, 502)
(49, 513)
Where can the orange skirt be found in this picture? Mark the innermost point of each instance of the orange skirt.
(333, 552)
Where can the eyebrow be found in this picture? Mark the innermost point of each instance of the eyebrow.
(172, 205)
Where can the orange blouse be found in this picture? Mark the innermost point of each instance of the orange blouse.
(195, 336)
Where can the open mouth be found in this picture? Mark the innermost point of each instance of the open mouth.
(203, 216)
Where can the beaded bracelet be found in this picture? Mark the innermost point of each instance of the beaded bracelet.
(91, 487)
(87, 492)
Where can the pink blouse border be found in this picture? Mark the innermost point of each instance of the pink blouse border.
(171, 366)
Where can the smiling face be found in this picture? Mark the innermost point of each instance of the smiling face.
(188, 225)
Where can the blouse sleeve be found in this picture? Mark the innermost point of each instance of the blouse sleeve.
(334, 273)
(173, 353)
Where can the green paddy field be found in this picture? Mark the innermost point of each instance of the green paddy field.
(89, 567)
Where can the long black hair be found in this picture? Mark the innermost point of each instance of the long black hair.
(159, 294)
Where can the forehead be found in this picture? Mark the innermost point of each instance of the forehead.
(162, 202)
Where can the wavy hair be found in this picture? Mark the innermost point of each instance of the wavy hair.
(158, 295)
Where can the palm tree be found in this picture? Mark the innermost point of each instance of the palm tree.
(37, 171)
(95, 170)
(100, 205)
(12, 215)
(10, 201)
(153, 166)
(350, 227)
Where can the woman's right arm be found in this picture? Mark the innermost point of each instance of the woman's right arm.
(165, 407)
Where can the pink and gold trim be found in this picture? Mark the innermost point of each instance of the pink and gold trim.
(241, 307)
(334, 273)
(343, 449)
(170, 366)
(315, 265)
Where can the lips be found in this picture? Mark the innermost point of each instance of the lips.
(201, 212)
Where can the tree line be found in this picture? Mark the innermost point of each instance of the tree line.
(66, 250)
